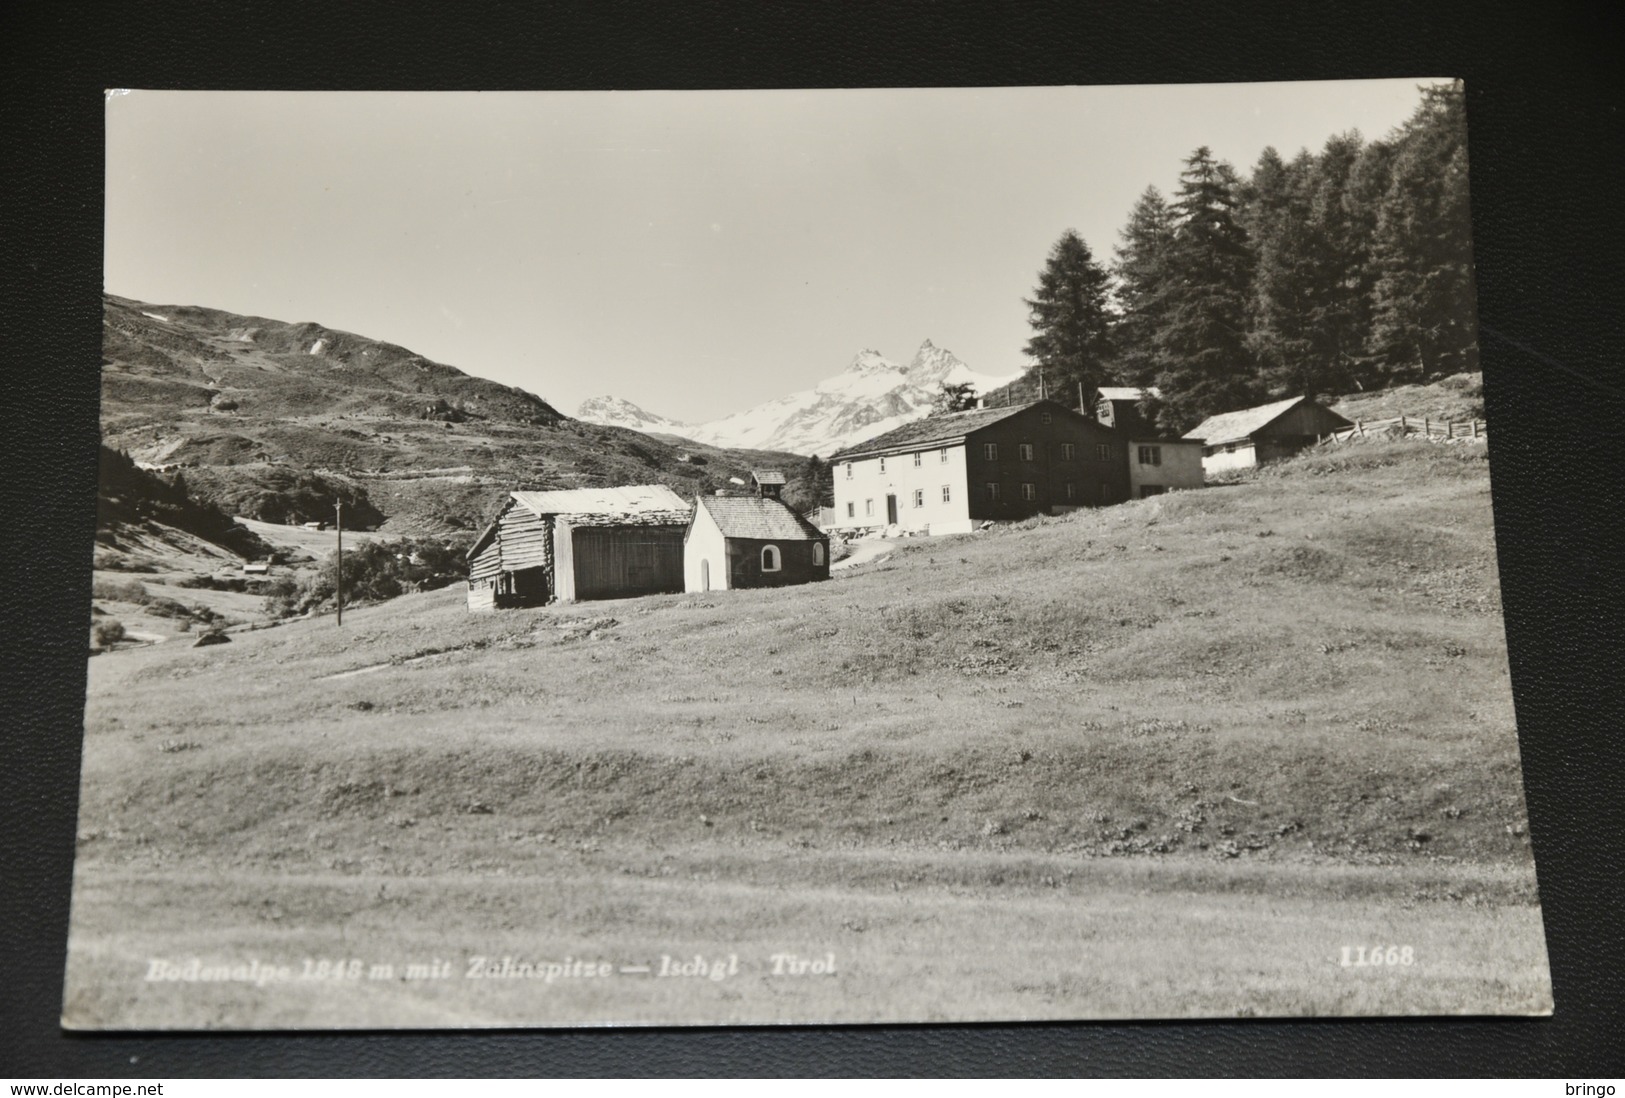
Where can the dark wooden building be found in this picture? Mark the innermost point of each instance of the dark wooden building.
(587, 543)
(946, 473)
(736, 542)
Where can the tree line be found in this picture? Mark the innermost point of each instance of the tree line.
(1330, 272)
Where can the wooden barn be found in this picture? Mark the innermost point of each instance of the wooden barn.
(736, 542)
(586, 543)
(1252, 436)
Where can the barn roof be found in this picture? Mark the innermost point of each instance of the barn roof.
(950, 427)
(633, 499)
(767, 476)
(1235, 426)
(637, 504)
(755, 517)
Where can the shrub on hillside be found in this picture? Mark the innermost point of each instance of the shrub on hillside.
(169, 608)
(114, 591)
(107, 633)
(284, 495)
(215, 583)
(373, 572)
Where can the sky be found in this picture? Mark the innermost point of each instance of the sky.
(697, 253)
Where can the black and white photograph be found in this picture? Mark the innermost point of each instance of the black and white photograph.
(885, 555)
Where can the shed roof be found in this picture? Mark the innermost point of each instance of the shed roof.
(767, 476)
(632, 499)
(936, 429)
(755, 517)
(1235, 426)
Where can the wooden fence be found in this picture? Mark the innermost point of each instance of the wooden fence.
(1403, 426)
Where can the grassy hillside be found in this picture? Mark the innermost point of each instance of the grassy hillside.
(1163, 759)
(276, 420)
(1458, 398)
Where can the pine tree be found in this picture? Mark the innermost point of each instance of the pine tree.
(1306, 291)
(1069, 317)
(1142, 274)
(1203, 363)
(1342, 319)
(1424, 318)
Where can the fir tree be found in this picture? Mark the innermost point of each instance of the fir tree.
(1424, 319)
(1343, 230)
(959, 397)
(1069, 318)
(1203, 363)
(1142, 273)
(1296, 291)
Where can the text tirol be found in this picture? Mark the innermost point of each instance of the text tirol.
(789, 964)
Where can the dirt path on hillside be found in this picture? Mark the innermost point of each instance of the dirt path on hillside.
(870, 549)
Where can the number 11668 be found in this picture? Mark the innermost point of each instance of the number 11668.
(1362, 957)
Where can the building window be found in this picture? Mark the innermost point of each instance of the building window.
(919, 497)
(868, 506)
(1025, 451)
(917, 457)
(1071, 491)
(1044, 419)
(992, 491)
(851, 510)
(945, 493)
(818, 554)
(770, 558)
(1103, 452)
(942, 455)
(1068, 451)
(1029, 490)
(1151, 455)
(849, 470)
(990, 451)
(882, 465)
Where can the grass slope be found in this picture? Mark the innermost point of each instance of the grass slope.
(1164, 759)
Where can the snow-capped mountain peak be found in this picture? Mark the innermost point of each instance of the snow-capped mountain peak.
(614, 411)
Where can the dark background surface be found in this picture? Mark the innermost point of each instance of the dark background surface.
(1545, 138)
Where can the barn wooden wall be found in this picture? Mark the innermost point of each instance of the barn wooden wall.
(622, 561)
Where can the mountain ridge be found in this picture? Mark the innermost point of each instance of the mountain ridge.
(278, 420)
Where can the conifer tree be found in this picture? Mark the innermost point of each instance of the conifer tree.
(1424, 319)
(1200, 342)
(1343, 232)
(957, 397)
(1069, 317)
(1142, 272)
(1304, 286)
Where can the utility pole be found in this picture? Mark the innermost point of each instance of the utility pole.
(1081, 407)
(1040, 383)
(338, 579)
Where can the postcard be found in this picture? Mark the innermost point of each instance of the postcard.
(792, 557)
